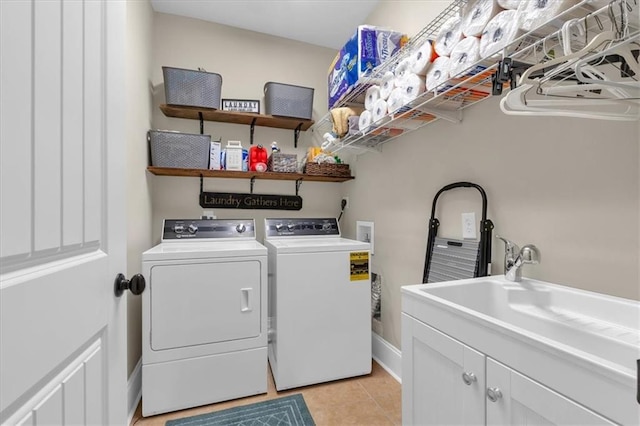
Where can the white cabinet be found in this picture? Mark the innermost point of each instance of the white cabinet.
(434, 390)
(445, 382)
(514, 399)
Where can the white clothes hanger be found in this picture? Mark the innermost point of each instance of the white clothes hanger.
(515, 103)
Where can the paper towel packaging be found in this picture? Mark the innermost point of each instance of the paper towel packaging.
(476, 14)
(449, 35)
(463, 56)
(535, 14)
(499, 33)
(369, 47)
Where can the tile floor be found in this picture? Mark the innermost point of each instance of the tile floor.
(374, 399)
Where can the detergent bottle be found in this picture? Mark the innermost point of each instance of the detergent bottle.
(257, 158)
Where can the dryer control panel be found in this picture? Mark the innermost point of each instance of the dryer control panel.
(298, 227)
(199, 229)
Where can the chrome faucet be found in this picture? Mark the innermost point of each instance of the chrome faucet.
(514, 258)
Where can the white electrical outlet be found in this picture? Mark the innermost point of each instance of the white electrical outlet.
(346, 205)
(469, 226)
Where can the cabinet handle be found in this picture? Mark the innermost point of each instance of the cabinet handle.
(494, 394)
(469, 378)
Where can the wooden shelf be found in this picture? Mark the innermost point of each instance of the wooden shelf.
(248, 118)
(232, 174)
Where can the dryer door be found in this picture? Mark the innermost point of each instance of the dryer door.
(203, 303)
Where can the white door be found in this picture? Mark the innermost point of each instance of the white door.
(442, 379)
(514, 399)
(62, 226)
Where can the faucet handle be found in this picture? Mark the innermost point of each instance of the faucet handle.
(510, 248)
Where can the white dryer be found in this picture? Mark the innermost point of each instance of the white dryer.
(319, 302)
(204, 315)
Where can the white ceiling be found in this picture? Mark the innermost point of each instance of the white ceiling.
(327, 23)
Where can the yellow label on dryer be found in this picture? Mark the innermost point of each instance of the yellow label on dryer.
(359, 265)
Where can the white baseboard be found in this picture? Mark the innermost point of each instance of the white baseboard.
(134, 390)
(387, 355)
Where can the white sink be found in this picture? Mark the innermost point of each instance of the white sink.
(582, 344)
(597, 325)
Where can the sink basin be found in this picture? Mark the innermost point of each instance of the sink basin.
(580, 344)
(601, 329)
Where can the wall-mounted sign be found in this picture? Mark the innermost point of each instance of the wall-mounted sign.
(241, 105)
(227, 200)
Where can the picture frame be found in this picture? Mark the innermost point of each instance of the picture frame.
(241, 105)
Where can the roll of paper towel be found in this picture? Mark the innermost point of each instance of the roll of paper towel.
(450, 34)
(534, 13)
(509, 4)
(414, 87)
(464, 54)
(396, 100)
(438, 73)
(387, 84)
(476, 15)
(421, 58)
(371, 96)
(379, 110)
(402, 69)
(364, 121)
(499, 32)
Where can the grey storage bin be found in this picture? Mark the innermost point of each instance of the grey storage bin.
(287, 100)
(179, 150)
(192, 88)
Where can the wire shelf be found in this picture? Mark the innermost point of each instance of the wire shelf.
(448, 100)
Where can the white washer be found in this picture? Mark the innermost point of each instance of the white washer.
(204, 315)
(319, 302)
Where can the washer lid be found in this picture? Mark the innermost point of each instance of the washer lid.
(315, 245)
(204, 250)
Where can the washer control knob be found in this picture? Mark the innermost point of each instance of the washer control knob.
(291, 227)
(279, 227)
(326, 226)
(241, 228)
(178, 229)
(193, 228)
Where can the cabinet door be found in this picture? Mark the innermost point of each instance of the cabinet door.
(514, 399)
(434, 390)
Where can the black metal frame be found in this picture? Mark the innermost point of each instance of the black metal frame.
(486, 226)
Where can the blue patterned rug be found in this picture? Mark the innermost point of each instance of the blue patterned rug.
(287, 411)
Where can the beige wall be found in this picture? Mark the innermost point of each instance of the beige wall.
(246, 61)
(569, 186)
(139, 25)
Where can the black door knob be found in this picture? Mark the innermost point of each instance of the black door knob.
(136, 284)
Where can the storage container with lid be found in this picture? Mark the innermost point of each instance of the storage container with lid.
(233, 155)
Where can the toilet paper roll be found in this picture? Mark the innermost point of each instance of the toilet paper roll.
(450, 34)
(402, 69)
(464, 54)
(414, 87)
(421, 58)
(509, 4)
(387, 84)
(371, 96)
(379, 110)
(534, 13)
(476, 14)
(396, 100)
(438, 73)
(364, 121)
(499, 32)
